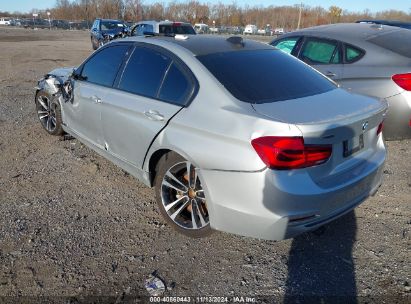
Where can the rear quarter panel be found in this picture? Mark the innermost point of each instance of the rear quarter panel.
(371, 80)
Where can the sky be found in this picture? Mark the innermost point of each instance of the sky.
(351, 5)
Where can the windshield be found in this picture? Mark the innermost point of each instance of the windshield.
(262, 76)
(111, 25)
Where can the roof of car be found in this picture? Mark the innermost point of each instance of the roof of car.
(347, 31)
(206, 44)
(382, 21)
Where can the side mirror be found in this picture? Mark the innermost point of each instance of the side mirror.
(76, 75)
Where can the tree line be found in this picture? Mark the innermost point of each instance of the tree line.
(223, 14)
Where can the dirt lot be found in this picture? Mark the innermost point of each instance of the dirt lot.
(74, 225)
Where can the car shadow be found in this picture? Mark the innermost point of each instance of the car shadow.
(321, 268)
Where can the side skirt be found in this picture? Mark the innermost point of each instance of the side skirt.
(138, 173)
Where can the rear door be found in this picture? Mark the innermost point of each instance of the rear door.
(152, 88)
(324, 55)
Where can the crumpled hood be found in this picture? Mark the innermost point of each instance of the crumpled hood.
(63, 73)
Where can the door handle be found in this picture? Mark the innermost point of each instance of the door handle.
(154, 115)
(330, 74)
(96, 99)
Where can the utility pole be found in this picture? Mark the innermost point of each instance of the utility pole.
(48, 14)
(299, 16)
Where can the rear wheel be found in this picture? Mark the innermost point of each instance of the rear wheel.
(49, 114)
(181, 197)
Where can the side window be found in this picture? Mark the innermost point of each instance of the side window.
(286, 45)
(352, 54)
(148, 28)
(320, 52)
(176, 87)
(337, 57)
(144, 72)
(136, 30)
(102, 68)
(180, 29)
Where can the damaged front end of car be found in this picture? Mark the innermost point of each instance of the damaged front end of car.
(54, 89)
(58, 84)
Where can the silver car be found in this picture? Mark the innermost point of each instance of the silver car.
(233, 134)
(369, 59)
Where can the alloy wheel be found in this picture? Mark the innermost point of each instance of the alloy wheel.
(183, 197)
(46, 112)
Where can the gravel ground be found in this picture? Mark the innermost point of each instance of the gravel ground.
(74, 225)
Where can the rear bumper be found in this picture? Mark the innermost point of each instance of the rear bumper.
(276, 205)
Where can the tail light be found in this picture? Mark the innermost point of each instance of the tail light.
(284, 153)
(380, 127)
(403, 80)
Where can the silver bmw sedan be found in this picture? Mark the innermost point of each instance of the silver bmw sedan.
(234, 134)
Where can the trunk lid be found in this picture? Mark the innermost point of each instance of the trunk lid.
(346, 121)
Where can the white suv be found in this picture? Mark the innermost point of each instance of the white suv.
(4, 21)
(250, 29)
(162, 27)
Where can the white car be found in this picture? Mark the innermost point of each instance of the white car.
(214, 30)
(201, 28)
(4, 21)
(265, 31)
(250, 29)
(162, 27)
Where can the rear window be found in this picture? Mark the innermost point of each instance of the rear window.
(263, 76)
(183, 29)
(398, 42)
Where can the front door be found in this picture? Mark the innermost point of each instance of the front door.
(93, 80)
(83, 115)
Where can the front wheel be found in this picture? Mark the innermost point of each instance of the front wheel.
(49, 113)
(181, 197)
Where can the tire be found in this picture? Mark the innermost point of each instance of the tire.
(49, 113)
(180, 204)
